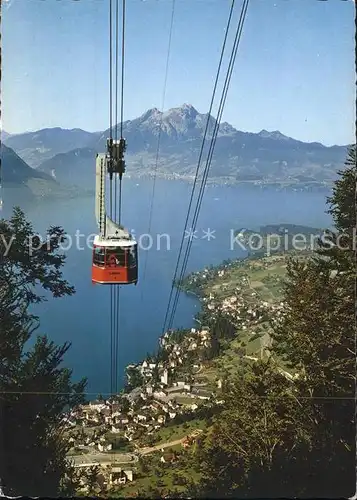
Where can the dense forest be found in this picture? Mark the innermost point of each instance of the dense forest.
(272, 438)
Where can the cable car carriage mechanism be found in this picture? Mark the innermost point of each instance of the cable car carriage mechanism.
(115, 258)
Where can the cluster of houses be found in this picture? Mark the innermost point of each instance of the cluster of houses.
(132, 417)
(197, 280)
(147, 408)
(163, 373)
(173, 376)
(193, 341)
(105, 478)
(240, 311)
(162, 379)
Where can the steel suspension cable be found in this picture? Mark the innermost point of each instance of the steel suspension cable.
(116, 94)
(199, 160)
(115, 311)
(122, 70)
(211, 149)
(117, 287)
(122, 95)
(160, 129)
(110, 188)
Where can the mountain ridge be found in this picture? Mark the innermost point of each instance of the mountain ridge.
(23, 183)
(188, 107)
(264, 157)
(35, 147)
(15, 170)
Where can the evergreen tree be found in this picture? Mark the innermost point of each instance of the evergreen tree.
(278, 437)
(252, 442)
(134, 379)
(316, 335)
(35, 390)
(338, 247)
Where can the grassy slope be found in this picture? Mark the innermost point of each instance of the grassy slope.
(171, 433)
(265, 277)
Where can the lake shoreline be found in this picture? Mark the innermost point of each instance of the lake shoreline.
(143, 307)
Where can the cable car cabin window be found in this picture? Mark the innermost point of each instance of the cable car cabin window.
(98, 256)
(132, 256)
(115, 257)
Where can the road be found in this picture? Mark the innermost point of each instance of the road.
(89, 459)
(103, 458)
(146, 451)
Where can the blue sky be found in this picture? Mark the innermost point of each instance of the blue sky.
(294, 70)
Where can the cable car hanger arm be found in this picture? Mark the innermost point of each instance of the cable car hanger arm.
(108, 228)
(115, 157)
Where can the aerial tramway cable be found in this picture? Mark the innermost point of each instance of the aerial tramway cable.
(116, 100)
(116, 216)
(211, 150)
(209, 157)
(160, 129)
(120, 183)
(110, 187)
(122, 90)
(199, 162)
(116, 296)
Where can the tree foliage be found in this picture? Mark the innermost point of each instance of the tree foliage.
(291, 432)
(35, 389)
(339, 246)
(134, 379)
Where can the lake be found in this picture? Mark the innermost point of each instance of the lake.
(84, 319)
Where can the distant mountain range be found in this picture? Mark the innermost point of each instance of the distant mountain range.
(23, 183)
(35, 147)
(264, 158)
(15, 171)
(77, 167)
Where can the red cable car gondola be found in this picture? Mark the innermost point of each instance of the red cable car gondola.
(115, 255)
(114, 261)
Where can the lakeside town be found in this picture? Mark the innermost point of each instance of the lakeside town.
(164, 407)
(290, 183)
(128, 425)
